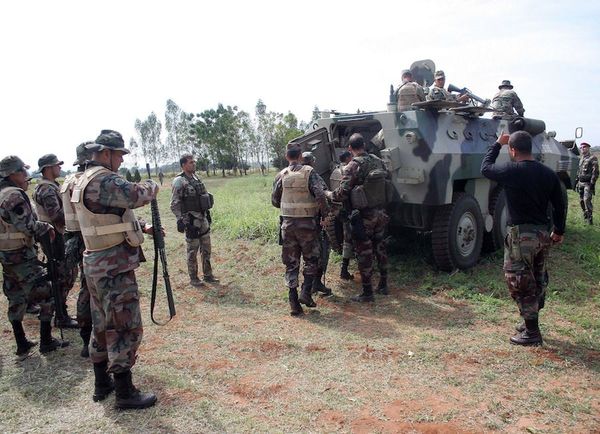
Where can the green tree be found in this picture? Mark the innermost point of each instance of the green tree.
(136, 175)
(149, 132)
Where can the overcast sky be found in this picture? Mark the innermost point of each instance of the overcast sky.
(72, 68)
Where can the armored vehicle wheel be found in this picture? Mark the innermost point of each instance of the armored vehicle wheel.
(457, 233)
(494, 240)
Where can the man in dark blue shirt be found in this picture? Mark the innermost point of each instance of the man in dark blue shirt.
(530, 187)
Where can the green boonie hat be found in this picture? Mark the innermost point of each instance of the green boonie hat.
(47, 161)
(11, 164)
(83, 154)
(506, 84)
(308, 157)
(108, 139)
(439, 74)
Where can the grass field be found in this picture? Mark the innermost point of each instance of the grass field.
(432, 357)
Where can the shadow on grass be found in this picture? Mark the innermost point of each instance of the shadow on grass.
(578, 353)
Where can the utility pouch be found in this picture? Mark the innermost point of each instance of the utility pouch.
(206, 201)
(357, 226)
(358, 198)
(515, 243)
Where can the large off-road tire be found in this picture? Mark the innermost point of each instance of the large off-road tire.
(494, 240)
(457, 233)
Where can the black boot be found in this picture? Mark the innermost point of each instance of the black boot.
(103, 383)
(344, 274)
(47, 342)
(33, 309)
(130, 397)
(366, 296)
(295, 307)
(382, 287)
(67, 322)
(531, 336)
(85, 332)
(23, 345)
(305, 295)
(318, 286)
(591, 220)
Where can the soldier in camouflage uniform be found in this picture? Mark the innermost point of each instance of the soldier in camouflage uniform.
(368, 220)
(437, 92)
(408, 92)
(506, 102)
(347, 249)
(74, 247)
(298, 191)
(24, 279)
(586, 181)
(191, 203)
(530, 187)
(104, 201)
(49, 207)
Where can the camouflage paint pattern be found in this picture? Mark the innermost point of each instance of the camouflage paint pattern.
(525, 255)
(409, 93)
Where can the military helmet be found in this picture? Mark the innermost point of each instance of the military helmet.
(505, 85)
(108, 139)
(308, 157)
(406, 72)
(83, 154)
(47, 161)
(11, 164)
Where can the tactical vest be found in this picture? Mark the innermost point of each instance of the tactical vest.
(335, 179)
(407, 94)
(296, 200)
(102, 231)
(586, 168)
(40, 210)
(200, 200)
(71, 222)
(10, 237)
(371, 190)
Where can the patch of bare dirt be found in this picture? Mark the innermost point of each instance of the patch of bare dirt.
(370, 424)
(331, 420)
(253, 350)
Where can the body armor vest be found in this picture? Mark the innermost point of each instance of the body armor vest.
(296, 200)
(102, 231)
(200, 200)
(10, 237)
(407, 94)
(71, 222)
(371, 190)
(335, 179)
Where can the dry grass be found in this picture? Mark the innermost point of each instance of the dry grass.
(432, 357)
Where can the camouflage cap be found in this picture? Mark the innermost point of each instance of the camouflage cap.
(47, 161)
(11, 164)
(439, 74)
(584, 144)
(108, 139)
(83, 154)
(308, 157)
(406, 72)
(505, 84)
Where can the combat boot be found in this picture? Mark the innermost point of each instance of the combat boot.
(295, 306)
(33, 309)
(47, 342)
(128, 396)
(85, 333)
(195, 282)
(67, 322)
(103, 383)
(344, 274)
(531, 336)
(23, 345)
(382, 287)
(211, 279)
(366, 296)
(318, 286)
(591, 220)
(305, 295)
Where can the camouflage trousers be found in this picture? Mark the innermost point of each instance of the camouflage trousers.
(194, 245)
(117, 320)
(24, 283)
(67, 270)
(372, 245)
(74, 260)
(300, 238)
(84, 313)
(347, 249)
(525, 253)
(585, 199)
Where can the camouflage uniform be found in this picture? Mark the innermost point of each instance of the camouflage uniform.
(110, 273)
(506, 102)
(372, 241)
(439, 94)
(186, 205)
(300, 235)
(587, 177)
(408, 93)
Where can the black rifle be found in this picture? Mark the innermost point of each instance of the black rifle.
(52, 251)
(159, 254)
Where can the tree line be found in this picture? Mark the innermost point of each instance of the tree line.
(222, 139)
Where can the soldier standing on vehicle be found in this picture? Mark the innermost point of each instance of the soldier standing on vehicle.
(298, 191)
(191, 204)
(318, 286)
(104, 201)
(437, 92)
(408, 92)
(530, 187)
(506, 102)
(364, 183)
(74, 247)
(24, 279)
(49, 207)
(586, 181)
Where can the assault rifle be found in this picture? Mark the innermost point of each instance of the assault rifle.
(53, 255)
(159, 255)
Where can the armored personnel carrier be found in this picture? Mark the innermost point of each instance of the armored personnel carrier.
(434, 154)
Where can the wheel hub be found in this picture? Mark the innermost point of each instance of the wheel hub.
(466, 233)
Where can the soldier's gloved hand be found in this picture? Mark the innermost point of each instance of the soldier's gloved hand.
(180, 226)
